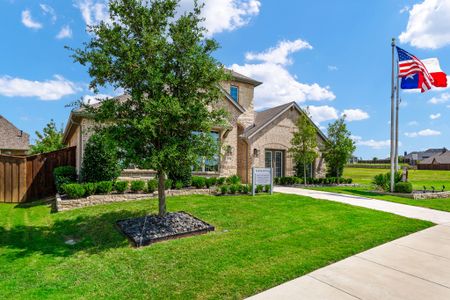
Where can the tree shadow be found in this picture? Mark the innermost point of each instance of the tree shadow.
(93, 234)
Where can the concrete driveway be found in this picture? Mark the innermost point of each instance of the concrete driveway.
(413, 267)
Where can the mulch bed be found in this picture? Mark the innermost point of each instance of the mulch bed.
(150, 229)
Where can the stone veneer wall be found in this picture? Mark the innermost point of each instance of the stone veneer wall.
(69, 204)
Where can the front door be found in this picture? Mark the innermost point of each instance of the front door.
(275, 159)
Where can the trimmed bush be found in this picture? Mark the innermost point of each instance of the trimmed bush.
(198, 182)
(137, 186)
(221, 180)
(90, 188)
(121, 186)
(403, 187)
(178, 185)
(182, 174)
(100, 162)
(245, 189)
(211, 182)
(224, 189)
(234, 179)
(168, 184)
(234, 188)
(267, 188)
(104, 187)
(74, 190)
(383, 181)
(259, 188)
(152, 186)
(276, 180)
(64, 175)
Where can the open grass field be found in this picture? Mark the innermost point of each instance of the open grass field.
(418, 178)
(259, 242)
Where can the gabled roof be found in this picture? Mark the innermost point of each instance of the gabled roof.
(239, 77)
(264, 118)
(440, 158)
(11, 137)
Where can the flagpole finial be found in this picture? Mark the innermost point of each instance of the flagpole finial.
(393, 42)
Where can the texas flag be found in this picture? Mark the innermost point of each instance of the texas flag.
(420, 74)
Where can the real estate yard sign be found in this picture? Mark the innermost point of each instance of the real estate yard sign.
(262, 176)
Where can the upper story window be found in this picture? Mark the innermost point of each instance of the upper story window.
(234, 92)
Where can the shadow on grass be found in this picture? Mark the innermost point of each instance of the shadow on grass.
(93, 234)
(360, 192)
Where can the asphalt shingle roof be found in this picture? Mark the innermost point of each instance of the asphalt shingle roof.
(440, 158)
(11, 137)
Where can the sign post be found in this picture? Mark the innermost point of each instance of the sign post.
(262, 176)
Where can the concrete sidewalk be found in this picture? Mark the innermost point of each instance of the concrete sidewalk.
(415, 212)
(413, 267)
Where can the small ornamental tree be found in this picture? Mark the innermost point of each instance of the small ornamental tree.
(304, 143)
(339, 148)
(49, 140)
(164, 64)
(100, 160)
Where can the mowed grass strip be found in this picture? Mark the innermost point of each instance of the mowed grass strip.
(259, 242)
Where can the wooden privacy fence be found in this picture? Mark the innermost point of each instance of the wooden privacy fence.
(29, 178)
(442, 167)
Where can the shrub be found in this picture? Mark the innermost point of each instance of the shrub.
(234, 188)
(168, 184)
(276, 180)
(198, 182)
(233, 179)
(267, 188)
(100, 162)
(403, 187)
(224, 189)
(181, 174)
(152, 186)
(259, 188)
(221, 180)
(121, 186)
(74, 190)
(245, 189)
(104, 187)
(137, 186)
(64, 175)
(179, 185)
(211, 182)
(383, 181)
(89, 188)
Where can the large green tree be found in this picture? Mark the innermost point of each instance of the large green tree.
(164, 63)
(304, 143)
(339, 148)
(50, 139)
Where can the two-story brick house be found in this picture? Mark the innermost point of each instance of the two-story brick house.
(13, 141)
(252, 139)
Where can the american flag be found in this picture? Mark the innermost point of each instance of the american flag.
(409, 65)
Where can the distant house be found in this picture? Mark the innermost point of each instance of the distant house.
(421, 155)
(440, 161)
(13, 141)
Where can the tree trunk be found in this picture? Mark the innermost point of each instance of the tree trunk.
(304, 172)
(162, 193)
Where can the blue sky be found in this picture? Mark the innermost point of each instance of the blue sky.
(332, 56)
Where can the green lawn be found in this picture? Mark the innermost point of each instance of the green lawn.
(367, 191)
(259, 242)
(418, 178)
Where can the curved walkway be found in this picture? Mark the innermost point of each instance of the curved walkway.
(415, 212)
(413, 267)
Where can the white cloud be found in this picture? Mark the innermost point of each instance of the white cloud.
(28, 21)
(435, 116)
(94, 99)
(280, 53)
(413, 123)
(48, 10)
(53, 89)
(428, 26)
(279, 85)
(404, 9)
(443, 98)
(425, 132)
(322, 113)
(332, 68)
(65, 32)
(355, 114)
(374, 144)
(93, 12)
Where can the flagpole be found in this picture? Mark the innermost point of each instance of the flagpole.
(397, 107)
(392, 118)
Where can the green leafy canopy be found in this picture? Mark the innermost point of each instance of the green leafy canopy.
(164, 64)
(51, 139)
